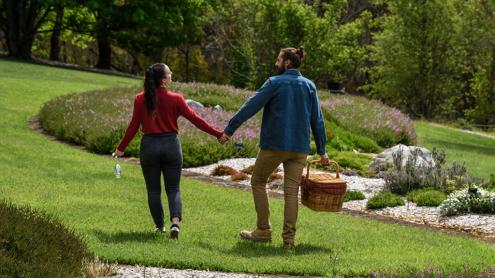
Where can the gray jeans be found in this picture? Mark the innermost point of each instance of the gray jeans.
(162, 154)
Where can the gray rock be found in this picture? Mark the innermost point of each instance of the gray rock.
(385, 159)
(218, 107)
(194, 104)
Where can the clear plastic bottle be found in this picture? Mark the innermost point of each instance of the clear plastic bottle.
(117, 169)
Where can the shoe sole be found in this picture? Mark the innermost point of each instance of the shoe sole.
(174, 234)
(255, 238)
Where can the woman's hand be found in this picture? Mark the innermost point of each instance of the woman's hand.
(225, 137)
(118, 153)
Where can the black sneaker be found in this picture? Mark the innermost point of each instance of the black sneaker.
(174, 231)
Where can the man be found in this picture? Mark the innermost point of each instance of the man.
(291, 109)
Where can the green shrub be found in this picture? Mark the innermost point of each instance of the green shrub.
(347, 160)
(34, 245)
(351, 195)
(489, 184)
(427, 197)
(344, 140)
(383, 200)
(463, 124)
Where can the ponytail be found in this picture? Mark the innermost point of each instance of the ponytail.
(294, 55)
(152, 81)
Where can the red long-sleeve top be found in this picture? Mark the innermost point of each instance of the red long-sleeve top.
(169, 106)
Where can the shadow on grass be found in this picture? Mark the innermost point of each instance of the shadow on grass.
(130, 236)
(248, 249)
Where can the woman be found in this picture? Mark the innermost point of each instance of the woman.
(156, 110)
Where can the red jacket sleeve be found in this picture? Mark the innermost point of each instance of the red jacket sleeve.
(133, 127)
(195, 119)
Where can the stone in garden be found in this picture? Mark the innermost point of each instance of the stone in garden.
(194, 104)
(385, 159)
(217, 107)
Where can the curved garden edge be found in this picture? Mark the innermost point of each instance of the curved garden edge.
(34, 124)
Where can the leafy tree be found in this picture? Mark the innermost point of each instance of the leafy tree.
(417, 68)
(20, 21)
(476, 37)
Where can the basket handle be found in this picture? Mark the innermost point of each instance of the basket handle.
(337, 167)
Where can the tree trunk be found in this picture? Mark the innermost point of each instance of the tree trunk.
(22, 26)
(55, 38)
(104, 47)
(187, 58)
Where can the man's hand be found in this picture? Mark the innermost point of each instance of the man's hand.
(118, 153)
(225, 137)
(324, 159)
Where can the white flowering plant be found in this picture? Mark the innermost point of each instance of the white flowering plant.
(470, 200)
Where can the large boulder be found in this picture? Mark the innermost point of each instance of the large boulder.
(385, 159)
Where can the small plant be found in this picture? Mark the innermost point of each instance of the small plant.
(463, 124)
(96, 268)
(383, 200)
(401, 179)
(427, 197)
(470, 200)
(351, 195)
(490, 184)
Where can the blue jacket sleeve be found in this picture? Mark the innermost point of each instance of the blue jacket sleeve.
(251, 107)
(318, 124)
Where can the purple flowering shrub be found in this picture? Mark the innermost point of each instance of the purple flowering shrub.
(98, 120)
(371, 118)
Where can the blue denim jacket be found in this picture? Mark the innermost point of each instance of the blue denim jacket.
(291, 109)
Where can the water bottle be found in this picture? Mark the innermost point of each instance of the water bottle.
(239, 146)
(117, 169)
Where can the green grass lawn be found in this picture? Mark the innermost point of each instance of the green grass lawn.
(79, 189)
(477, 151)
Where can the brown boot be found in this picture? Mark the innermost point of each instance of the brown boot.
(257, 235)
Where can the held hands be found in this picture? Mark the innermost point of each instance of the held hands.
(224, 139)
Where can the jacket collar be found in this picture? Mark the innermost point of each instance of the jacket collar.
(293, 72)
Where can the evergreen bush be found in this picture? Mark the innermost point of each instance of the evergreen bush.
(32, 244)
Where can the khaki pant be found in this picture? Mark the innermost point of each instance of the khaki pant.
(266, 162)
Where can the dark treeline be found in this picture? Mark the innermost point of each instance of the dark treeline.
(433, 59)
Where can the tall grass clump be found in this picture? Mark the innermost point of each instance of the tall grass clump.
(34, 245)
(385, 125)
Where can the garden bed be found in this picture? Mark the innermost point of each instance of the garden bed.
(479, 225)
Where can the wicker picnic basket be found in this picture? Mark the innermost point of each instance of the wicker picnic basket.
(323, 192)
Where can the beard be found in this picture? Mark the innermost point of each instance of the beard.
(279, 70)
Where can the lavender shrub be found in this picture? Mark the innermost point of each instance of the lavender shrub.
(371, 118)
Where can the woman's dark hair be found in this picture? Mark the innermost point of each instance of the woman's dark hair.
(294, 55)
(152, 81)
